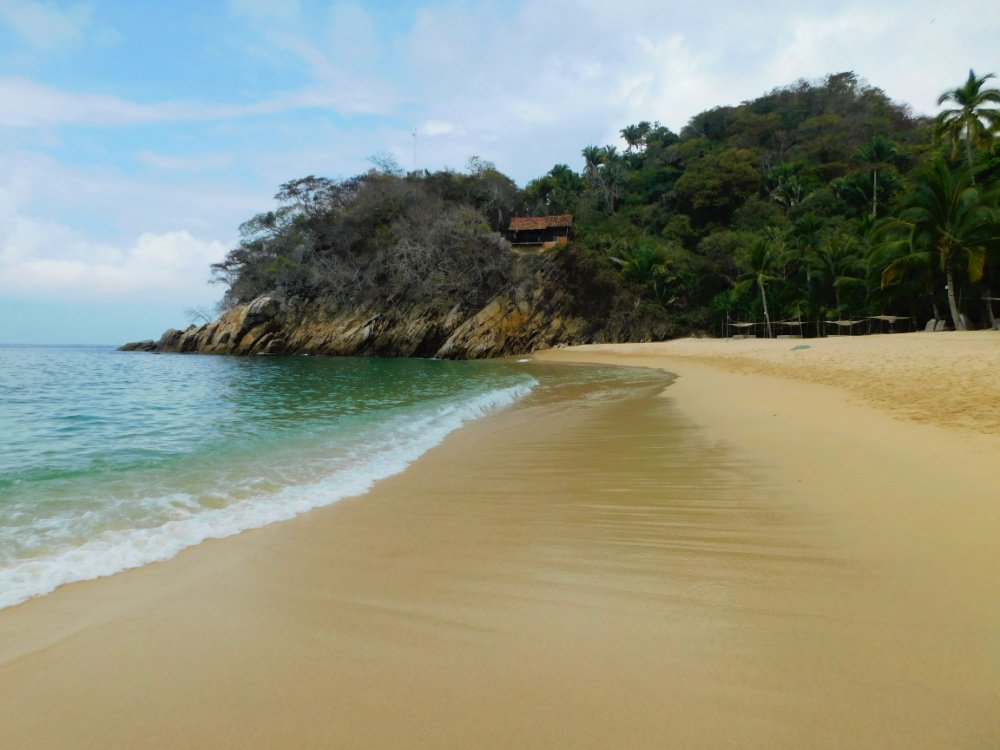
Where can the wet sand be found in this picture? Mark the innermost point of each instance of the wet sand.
(750, 559)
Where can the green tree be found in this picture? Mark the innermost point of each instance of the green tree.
(592, 160)
(912, 278)
(759, 264)
(949, 217)
(975, 117)
(713, 186)
(786, 186)
(837, 269)
(635, 136)
(806, 232)
(649, 263)
(606, 176)
(877, 153)
(492, 192)
(557, 192)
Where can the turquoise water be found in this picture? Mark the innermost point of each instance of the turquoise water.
(110, 460)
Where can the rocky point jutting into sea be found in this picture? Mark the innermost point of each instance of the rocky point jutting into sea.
(540, 310)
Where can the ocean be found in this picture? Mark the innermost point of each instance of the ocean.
(111, 460)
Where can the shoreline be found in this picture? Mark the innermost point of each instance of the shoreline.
(388, 447)
(742, 560)
(928, 378)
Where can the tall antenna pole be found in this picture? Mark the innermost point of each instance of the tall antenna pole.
(414, 151)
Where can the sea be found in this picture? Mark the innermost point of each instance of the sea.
(112, 460)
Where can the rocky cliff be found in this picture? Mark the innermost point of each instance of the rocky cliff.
(540, 311)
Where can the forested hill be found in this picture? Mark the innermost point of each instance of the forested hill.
(818, 202)
(787, 186)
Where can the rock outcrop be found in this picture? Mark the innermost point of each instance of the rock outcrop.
(535, 313)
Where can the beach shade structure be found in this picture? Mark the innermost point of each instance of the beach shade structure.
(881, 320)
(844, 325)
(741, 330)
(790, 329)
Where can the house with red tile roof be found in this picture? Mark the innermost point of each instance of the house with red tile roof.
(539, 232)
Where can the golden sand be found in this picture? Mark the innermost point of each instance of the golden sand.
(950, 378)
(755, 558)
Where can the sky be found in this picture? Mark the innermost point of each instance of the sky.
(135, 135)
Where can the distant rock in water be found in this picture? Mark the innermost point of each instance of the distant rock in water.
(139, 346)
(538, 312)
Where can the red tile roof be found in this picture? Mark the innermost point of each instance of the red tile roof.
(540, 222)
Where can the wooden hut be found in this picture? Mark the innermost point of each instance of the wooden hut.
(539, 232)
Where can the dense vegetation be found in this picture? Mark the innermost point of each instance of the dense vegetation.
(397, 237)
(816, 202)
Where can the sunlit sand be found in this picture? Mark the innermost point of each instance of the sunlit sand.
(782, 549)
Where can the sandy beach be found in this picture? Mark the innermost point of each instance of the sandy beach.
(784, 548)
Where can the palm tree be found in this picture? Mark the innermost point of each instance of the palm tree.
(899, 273)
(785, 185)
(804, 237)
(759, 264)
(949, 217)
(877, 153)
(635, 136)
(592, 158)
(973, 120)
(807, 232)
(648, 263)
(836, 266)
(605, 172)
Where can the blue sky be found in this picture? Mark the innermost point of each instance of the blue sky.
(136, 135)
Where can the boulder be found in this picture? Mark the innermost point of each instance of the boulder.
(139, 346)
(262, 310)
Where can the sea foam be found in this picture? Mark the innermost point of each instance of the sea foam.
(389, 450)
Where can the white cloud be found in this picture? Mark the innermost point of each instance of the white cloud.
(506, 86)
(534, 84)
(40, 105)
(88, 234)
(913, 52)
(337, 86)
(354, 39)
(671, 77)
(44, 259)
(185, 163)
(813, 45)
(99, 200)
(50, 28)
(451, 39)
(436, 127)
(44, 26)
